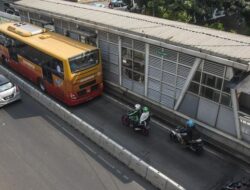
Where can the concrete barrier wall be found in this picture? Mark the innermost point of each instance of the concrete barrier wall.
(157, 178)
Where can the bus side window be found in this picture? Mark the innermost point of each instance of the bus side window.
(33, 54)
(23, 51)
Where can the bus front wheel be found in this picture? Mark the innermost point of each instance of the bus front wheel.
(41, 85)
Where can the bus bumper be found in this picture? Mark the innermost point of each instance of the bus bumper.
(91, 95)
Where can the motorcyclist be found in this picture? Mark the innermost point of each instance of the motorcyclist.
(187, 132)
(145, 116)
(136, 114)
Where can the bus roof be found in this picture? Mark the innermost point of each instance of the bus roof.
(50, 43)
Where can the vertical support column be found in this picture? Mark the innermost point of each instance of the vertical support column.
(28, 17)
(235, 110)
(146, 68)
(97, 38)
(120, 59)
(188, 81)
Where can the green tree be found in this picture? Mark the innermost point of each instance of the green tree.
(246, 14)
(216, 25)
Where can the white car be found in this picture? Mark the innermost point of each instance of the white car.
(98, 5)
(9, 92)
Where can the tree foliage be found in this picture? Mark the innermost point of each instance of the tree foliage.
(196, 11)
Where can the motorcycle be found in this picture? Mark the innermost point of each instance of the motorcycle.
(196, 145)
(239, 185)
(142, 125)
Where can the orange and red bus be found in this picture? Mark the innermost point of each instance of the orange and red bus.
(64, 68)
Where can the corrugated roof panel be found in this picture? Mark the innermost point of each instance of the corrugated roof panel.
(228, 44)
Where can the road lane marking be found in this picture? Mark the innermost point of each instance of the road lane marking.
(106, 162)
(126, 177)
(79, 141)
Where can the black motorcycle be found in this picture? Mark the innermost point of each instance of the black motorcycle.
(142, 125)
(195, 144)
(238, 185)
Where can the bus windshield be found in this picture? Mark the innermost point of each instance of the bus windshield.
(84, 61)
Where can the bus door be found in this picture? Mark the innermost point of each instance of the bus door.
(47, 77)
(3, 44)
(58, 79)
(13, 49)
(53, 78)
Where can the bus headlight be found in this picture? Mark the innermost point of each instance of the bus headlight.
(72, 96)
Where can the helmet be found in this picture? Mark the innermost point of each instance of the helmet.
(145, 109)
(137, 107)
(190, 123)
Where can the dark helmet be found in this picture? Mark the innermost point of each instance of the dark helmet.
(190, 123)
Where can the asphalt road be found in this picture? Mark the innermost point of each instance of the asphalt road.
(38, 151)
(206, 172)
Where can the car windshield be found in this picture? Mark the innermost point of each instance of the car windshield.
(84, 61)
(6, 86)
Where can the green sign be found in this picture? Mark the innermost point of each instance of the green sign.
(161, 53)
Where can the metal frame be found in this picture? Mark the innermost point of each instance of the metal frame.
(187, 83)
(159, 42)
(235, 106)
(146, 68)
(120, 59)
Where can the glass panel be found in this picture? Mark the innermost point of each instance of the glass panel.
(134, 61)
(210, 93)
(127, 73)
(127, 57)
(225, 86)
(139, 57)
(138, 77)
(194, 87)
(138, 67)
(197, 76)
(83, 61)
(225, 100)
(138, 62)
(212, 81)
(218, 83)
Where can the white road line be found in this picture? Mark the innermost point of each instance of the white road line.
(118, 171)
(106, 162)
(115, 100)
(88, 147)
(126, 177)
(78, 140)
(214, 153)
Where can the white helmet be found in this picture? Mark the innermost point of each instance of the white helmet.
(137, 107)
